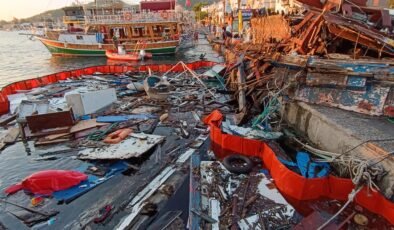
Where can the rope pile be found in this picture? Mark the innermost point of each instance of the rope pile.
(361, 171)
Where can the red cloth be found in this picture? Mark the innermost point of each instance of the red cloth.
(48, 181)
(288, 182)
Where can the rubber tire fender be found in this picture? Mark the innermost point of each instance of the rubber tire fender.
(246, 168)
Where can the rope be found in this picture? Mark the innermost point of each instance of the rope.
(100, 134)
(360, 170)
(272, 106)
(350, 199)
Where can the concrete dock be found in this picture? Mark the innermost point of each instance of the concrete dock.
(339, 131)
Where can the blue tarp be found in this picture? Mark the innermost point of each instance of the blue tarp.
(121, 118)
(72, 193)
(307, 167)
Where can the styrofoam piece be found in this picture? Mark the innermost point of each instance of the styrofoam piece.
(216, 69)
(27, 108)
(91, 102)
(214, 212)
(15, 100)
(130, 147)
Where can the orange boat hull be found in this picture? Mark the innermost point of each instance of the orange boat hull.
(122, 57)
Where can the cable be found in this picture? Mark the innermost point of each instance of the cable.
(350, 199)
(100, 134)
(364, 142)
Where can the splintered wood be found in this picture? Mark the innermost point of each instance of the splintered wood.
(265, 28)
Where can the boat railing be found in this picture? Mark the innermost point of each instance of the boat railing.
(73, 19)
(130, 17)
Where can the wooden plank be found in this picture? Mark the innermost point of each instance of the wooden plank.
(11, 135)
(195, 194)
(46, 142)
(241, 81)
(7, 119)
(80, 126)
(47, 132)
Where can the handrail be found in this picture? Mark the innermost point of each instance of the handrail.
(129, 17)
(80, 18)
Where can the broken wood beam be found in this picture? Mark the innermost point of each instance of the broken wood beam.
(241, 81)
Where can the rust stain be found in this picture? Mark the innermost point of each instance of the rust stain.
(365, 105)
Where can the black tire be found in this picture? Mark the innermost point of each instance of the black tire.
(238, 164)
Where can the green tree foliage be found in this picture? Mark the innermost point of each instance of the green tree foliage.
(197, 9)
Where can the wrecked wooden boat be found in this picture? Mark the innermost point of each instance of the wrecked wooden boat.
(157, 87)
(144, 171)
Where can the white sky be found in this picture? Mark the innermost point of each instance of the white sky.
(27, 8)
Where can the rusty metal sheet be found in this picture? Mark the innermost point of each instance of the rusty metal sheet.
(354, 31)
(370, 101)
(326, 79)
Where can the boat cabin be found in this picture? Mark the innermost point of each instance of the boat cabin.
(74, 18)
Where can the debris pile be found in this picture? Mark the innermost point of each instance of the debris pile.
(148, 124)
(244, 200)
(112, 123)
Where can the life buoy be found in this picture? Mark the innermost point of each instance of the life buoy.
(164, 15)
(127, 16)
(117, 136)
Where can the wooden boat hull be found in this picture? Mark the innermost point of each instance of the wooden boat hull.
(68, 49)
(154, 93)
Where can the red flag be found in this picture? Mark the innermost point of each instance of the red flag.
(188, 3)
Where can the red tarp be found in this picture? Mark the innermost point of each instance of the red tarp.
(158, 5)
(48, 181)
(290, 183)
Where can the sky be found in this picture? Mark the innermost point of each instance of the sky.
(28, 8)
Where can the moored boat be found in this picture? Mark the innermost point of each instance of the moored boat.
(95, 28)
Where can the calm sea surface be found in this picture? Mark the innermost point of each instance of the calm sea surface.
(22, 58)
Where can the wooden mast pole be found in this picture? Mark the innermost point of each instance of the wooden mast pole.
(224, 11)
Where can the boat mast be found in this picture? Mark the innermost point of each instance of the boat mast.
(224, 11)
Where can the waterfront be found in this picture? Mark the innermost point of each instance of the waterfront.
(28, 157)
(17, 64)
(22, 58)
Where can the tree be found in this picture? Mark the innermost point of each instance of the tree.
(15, 20)
(197, 9)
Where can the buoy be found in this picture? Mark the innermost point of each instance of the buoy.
(117, 136)
(360, 219)
(164, 117)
